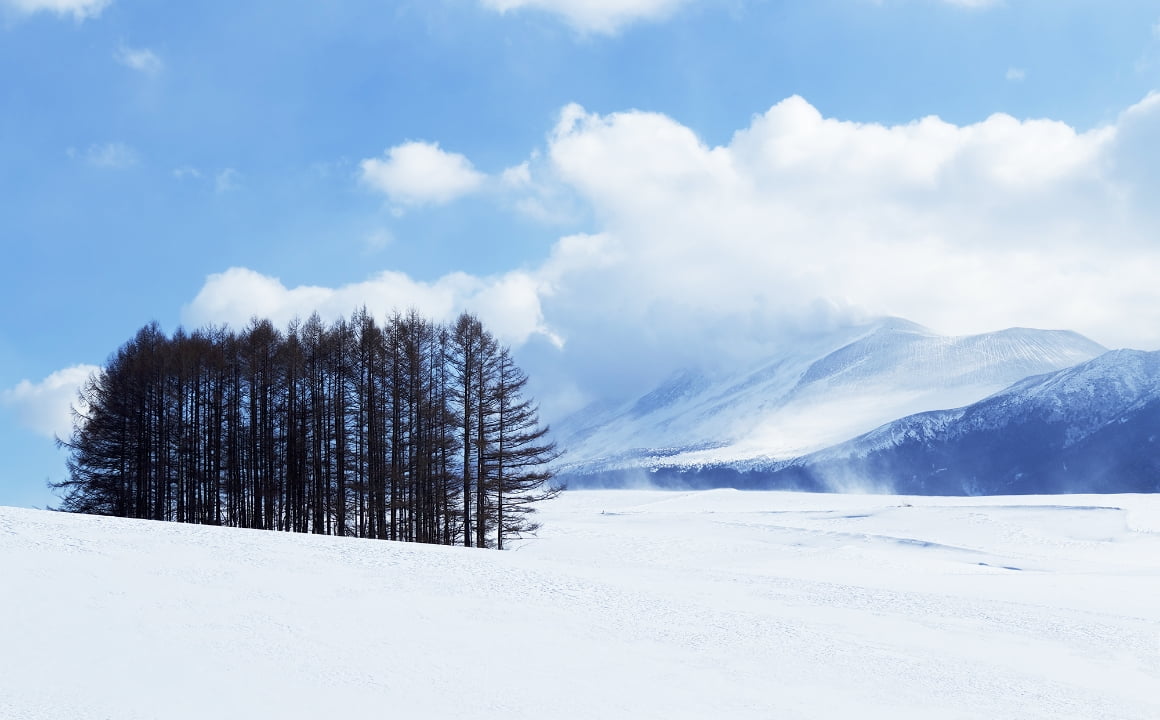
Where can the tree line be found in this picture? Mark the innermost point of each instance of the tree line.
(403, 430)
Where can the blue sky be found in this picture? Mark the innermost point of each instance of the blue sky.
(617, 188)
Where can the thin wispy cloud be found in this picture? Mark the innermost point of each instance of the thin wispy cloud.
(1015, 74)
(110, 155)
(378, 240)
(972, 4)
(594, 16)
(143, 60)
(186, 172)
(79, 10)
(227, 180)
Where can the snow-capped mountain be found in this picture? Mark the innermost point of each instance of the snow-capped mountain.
(810, 396)
(1091, 428)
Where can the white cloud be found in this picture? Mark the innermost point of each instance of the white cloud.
(517, 176)
(799, 222)
(378, 240)
(113, 155)
(79, 9)
(142, 60)
(186, 171)
(1015, 74)
(509, 304)
(227, 180)
(46, 407)
(972, 4)
(598, 16)
(420, 173)
(961, 227)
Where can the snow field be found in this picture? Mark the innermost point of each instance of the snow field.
(641, 604)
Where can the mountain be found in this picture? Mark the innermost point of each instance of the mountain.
(809, 396)
(1091, 428)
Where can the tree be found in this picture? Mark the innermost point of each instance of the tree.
(405, 431)
(520, 454)
(470, 345)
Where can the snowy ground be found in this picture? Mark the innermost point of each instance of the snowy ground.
(630, 604)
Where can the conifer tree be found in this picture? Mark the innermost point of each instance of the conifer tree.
(407, 430)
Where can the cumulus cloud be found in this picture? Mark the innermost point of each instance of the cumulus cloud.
(597, 16)
(798, 223)
(143, 60)
(78, 9)
(45, 407)
(420, 173)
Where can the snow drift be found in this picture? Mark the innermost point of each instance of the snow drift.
(630, 604)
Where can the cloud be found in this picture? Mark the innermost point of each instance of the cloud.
(972, 4)
(186, 171)
(112, 155)
(378, 240)
(1015, 74)
(142, 60)
(79, 9)
(965, 228)
(46, 407)
(420, 173)
(517, 176)
(595, 16)
(227, 180)
(509, 304)
(707, 254)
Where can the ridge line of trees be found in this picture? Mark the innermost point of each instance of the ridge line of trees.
(406, 430)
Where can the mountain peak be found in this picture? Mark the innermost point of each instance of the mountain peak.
(811, 395)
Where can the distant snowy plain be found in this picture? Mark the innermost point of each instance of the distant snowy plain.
(633, 604)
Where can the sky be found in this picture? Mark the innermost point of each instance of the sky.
(617, 188)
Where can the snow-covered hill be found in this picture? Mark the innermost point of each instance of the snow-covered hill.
(1094, 427)
(630, 604)
(817, 393)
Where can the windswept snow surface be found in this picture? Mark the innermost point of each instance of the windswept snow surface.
(641, 604)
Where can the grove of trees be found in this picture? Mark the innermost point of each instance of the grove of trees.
(404, 430)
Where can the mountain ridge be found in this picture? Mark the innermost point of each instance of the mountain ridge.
(1094, 427)
(832, 388)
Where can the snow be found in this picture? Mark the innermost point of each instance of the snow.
(643, 604)
(810, 395)
(1086, 397)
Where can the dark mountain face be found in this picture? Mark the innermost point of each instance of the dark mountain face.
(1091, 428)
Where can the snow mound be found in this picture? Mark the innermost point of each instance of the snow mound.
(630, 604)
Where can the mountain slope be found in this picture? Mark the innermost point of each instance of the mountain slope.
(1091, 428)
(805, 398)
